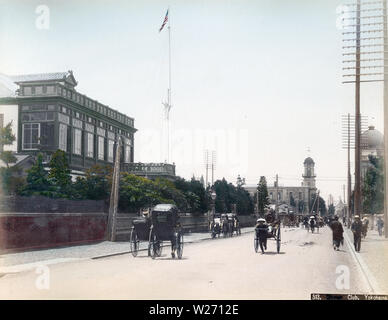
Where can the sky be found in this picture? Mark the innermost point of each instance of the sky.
(259, 82)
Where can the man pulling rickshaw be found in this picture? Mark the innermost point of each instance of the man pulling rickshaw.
(266, 228)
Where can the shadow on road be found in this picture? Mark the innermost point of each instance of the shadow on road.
(271, 253)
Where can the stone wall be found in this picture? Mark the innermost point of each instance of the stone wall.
(23, 231)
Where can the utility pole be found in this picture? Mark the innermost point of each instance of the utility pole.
(370, 55)
(213, 165)
(207, 166)
(114, 195)
(357, 186)
(348, 143)
(277, 196)
(385, 118)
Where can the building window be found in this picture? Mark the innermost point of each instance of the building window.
(77, 141)
(38, 116)
(90, 145)
(31, 135)
(110, 150)
(50, 89)
(63, 137)
(127, 153)
(101, 145)
(27, 91)
(38, 90)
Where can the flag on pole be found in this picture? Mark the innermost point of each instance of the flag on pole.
(164, 22)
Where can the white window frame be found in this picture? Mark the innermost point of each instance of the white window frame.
(101, 148)
(30, 124)
(90, 145)
(127, 153)
(77, 144)
(111, 144)
(62, 143)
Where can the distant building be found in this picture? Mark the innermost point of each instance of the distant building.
(340, 209)
(373, 144)
(295, 197)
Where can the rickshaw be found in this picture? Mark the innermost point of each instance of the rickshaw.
(235, 224)
(215, 226)
(272, 233)
(226, 225)
(161, 226)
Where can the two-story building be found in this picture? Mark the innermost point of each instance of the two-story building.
(48, 114)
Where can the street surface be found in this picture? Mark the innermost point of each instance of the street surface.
(210, 269)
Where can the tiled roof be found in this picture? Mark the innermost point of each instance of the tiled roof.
(40, 77)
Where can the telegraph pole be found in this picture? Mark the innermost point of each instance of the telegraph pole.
(277, 196)
(349, 178)
(213, 165)
(357, 186)
(385, 119)
(207, 166)
(370, 55)
(114, 195)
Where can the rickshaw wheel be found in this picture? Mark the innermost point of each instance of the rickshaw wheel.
(278, 240)
(153, 244)
(179, 244)
(134, 242)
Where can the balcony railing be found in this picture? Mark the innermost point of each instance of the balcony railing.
(149, 169)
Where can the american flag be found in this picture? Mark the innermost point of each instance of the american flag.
(164, 22)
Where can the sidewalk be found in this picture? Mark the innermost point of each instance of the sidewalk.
(374, 254)
(22, 261)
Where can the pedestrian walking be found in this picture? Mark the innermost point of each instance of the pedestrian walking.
(338, 231)
(380, 225)
(365, 224)
(357, 229)
(312, 223)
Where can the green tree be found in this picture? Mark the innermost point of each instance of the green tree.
(262, 194)
(7, 138)
(373, 187)
(59, 175)
(96, 185)
(9, 183)
(196, 196)
(138, 192)
(37, 179)
(168, 190)
(228, 195)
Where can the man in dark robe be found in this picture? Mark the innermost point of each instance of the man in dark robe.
(338, 231)
(357, 229)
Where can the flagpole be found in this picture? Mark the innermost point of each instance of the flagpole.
(169, 86)
(167, 105)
